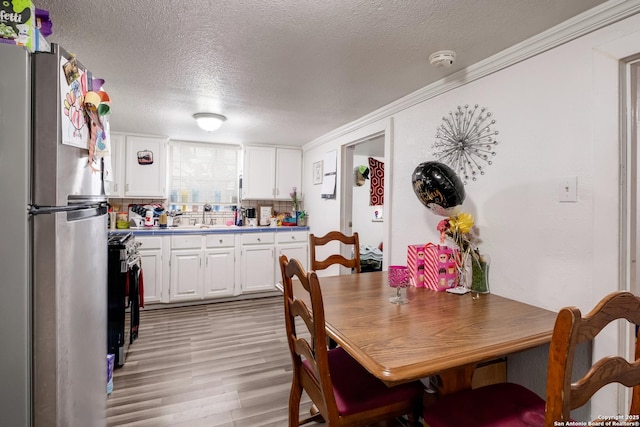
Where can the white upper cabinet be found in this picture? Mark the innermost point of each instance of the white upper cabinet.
(270, 173)
(145, 167)
(288, 172)
(114, 175)
(258, 176)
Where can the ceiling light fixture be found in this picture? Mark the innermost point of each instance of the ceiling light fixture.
(209, 121)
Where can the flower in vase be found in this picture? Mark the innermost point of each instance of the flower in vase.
(294, 198)
(459, 229)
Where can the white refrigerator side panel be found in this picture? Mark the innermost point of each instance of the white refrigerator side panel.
(15, 106)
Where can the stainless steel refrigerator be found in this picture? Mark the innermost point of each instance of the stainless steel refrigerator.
(53, 256)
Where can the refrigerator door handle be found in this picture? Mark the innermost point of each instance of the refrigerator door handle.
(74, 212)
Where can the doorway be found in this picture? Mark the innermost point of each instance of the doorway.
(357, 213)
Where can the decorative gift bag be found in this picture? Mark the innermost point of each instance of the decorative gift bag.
(415, 262)
(439, 267)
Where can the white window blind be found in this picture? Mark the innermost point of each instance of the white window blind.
(204, 173)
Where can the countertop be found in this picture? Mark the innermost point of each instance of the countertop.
(212, 229)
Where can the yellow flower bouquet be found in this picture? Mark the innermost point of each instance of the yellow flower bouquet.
(459, 228)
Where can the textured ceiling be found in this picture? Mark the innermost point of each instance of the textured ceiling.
(282, 71)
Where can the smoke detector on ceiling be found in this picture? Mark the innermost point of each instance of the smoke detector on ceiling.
(442, 58)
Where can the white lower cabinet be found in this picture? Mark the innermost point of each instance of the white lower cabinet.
(216, 265)
(151, 255)
(186, 268)
(220, 266)
(295, 245)
(202, 266)
(257, 262)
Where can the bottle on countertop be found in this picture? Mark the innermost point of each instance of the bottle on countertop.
(163, 220)
(148, 219)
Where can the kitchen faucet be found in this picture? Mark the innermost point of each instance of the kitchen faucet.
(207, 208)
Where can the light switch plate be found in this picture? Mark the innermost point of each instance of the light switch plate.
(568, 189)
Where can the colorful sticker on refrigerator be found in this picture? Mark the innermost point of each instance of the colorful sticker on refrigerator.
(70, 70)
(75, 131)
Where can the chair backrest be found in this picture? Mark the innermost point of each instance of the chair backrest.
(572, 329)
(332, 236)
(318, 386)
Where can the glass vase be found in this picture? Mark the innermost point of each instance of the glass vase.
(480, 275)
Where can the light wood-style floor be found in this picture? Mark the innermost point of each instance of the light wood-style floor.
(221, 364)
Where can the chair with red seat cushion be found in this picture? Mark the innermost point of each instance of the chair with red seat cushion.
(497, 405)
(511, 405)
(343, 392)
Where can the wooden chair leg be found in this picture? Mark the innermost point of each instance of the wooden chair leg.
(294, 404)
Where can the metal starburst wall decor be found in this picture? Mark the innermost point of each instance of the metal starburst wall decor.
(466, 141)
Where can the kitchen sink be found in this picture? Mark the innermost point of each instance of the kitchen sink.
(203, 226)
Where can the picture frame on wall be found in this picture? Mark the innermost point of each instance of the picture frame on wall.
(317, 172)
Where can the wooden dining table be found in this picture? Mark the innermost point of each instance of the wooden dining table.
(434, 333)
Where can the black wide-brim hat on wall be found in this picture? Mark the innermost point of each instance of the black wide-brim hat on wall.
(438, 187)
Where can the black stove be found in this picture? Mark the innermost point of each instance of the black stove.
(123, 296)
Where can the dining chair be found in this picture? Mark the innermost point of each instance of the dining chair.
(333, 236)
(512, 405)
(344, 392)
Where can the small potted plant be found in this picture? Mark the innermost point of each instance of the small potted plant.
(302, 218)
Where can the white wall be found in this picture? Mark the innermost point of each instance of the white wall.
(558, 115)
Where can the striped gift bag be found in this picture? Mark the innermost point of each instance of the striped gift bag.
(440, 267)
(415, 262)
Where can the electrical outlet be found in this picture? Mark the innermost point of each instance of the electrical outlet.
(568, 189)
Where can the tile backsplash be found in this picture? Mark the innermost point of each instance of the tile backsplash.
(221, 216)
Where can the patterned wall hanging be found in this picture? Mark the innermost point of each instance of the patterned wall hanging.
(376, 175)
(466, 141)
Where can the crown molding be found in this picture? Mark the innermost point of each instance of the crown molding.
(571, 29)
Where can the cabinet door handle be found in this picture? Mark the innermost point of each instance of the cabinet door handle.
(220, 241)
(259, 240)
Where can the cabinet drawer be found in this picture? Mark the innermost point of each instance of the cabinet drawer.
(186, 242)
(220, 240)
(149, 242)
(292, 237)
(257, 238)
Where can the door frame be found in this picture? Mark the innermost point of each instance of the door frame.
(383, 128)
(629, 214)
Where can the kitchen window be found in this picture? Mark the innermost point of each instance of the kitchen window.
(203, 173)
